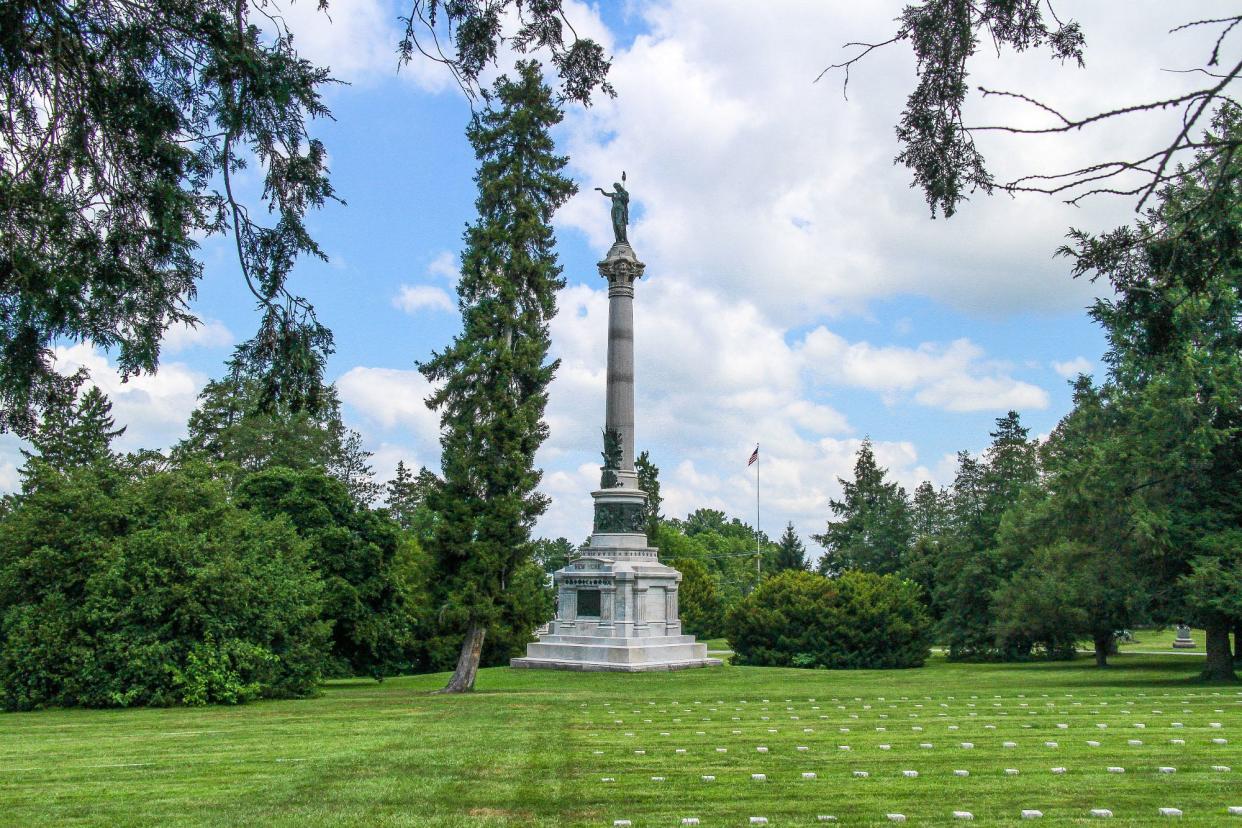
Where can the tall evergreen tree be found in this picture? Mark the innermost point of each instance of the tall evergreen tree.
(872, 527)
(75, 434)
(406, 494)
(1175, 384)
(790, 553)
(929, 511)
(971, 568)
(929, 520)
(123, 125)
(494, 376)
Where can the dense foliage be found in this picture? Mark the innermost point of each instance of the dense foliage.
(357, 554)
(157, 590)
(856, 620)
(871, 528)
(122, 128)
(699, 602)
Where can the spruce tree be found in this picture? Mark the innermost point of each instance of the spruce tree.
(406, 496)
(493, 378)
(401, 496)
(872, 527)
(76, 434)
(971, 566)
(790, 553)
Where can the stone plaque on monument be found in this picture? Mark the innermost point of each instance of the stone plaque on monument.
(617, 604)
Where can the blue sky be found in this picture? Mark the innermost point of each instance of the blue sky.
(797, 294)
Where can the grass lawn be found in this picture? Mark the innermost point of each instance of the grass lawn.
(1160, 640)
(534, 748)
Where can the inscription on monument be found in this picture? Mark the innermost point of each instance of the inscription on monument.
(588, 603)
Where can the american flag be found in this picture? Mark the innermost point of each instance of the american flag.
(754, 457)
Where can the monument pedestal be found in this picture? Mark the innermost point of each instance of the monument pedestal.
(616, 611)
(617, 604)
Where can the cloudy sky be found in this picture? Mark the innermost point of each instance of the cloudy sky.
(798, 294)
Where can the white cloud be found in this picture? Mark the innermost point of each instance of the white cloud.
(209, 333)
(357, 41)
(391, 398)
(953, 377)
(445, 266)
(715, 376)
(779, 191)
(413, 298)
(1072, 368)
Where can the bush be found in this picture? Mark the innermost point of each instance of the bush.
(858, 620)
(115, 592)
(360, 555)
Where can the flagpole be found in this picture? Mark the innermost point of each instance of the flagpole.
(758, 557)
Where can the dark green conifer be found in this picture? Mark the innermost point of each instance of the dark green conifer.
(493, 378)
(76, 434)
(790, 553)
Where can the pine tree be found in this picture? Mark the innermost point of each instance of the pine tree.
(78, 433)
(929, 519)
(1174, 386)
(350, 463)
(494, 376)
(790, 553)
(929, 513)
(872, 530)
(400, 496)
(971, 567)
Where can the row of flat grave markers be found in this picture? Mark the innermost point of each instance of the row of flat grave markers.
(1026, 813)
(685, 713)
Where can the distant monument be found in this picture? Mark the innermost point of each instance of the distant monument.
(1183, 640)
(617, 604)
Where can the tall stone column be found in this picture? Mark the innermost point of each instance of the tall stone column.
(637, 627)
(620, 509)
(622, 269)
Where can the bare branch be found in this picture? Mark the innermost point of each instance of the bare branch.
(867, 48)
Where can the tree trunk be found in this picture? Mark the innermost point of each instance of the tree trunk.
(468, 662)
(1219, 658)
(1103, 643)
(1237, 641)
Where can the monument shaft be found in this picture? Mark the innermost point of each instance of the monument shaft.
(619, 409)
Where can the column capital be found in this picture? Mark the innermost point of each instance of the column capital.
(621, 267)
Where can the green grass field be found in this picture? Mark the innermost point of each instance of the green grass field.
(533, 748)
(1162, 640)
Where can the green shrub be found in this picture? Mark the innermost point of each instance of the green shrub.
(116, 592)
(858, 620)
(361, 556)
